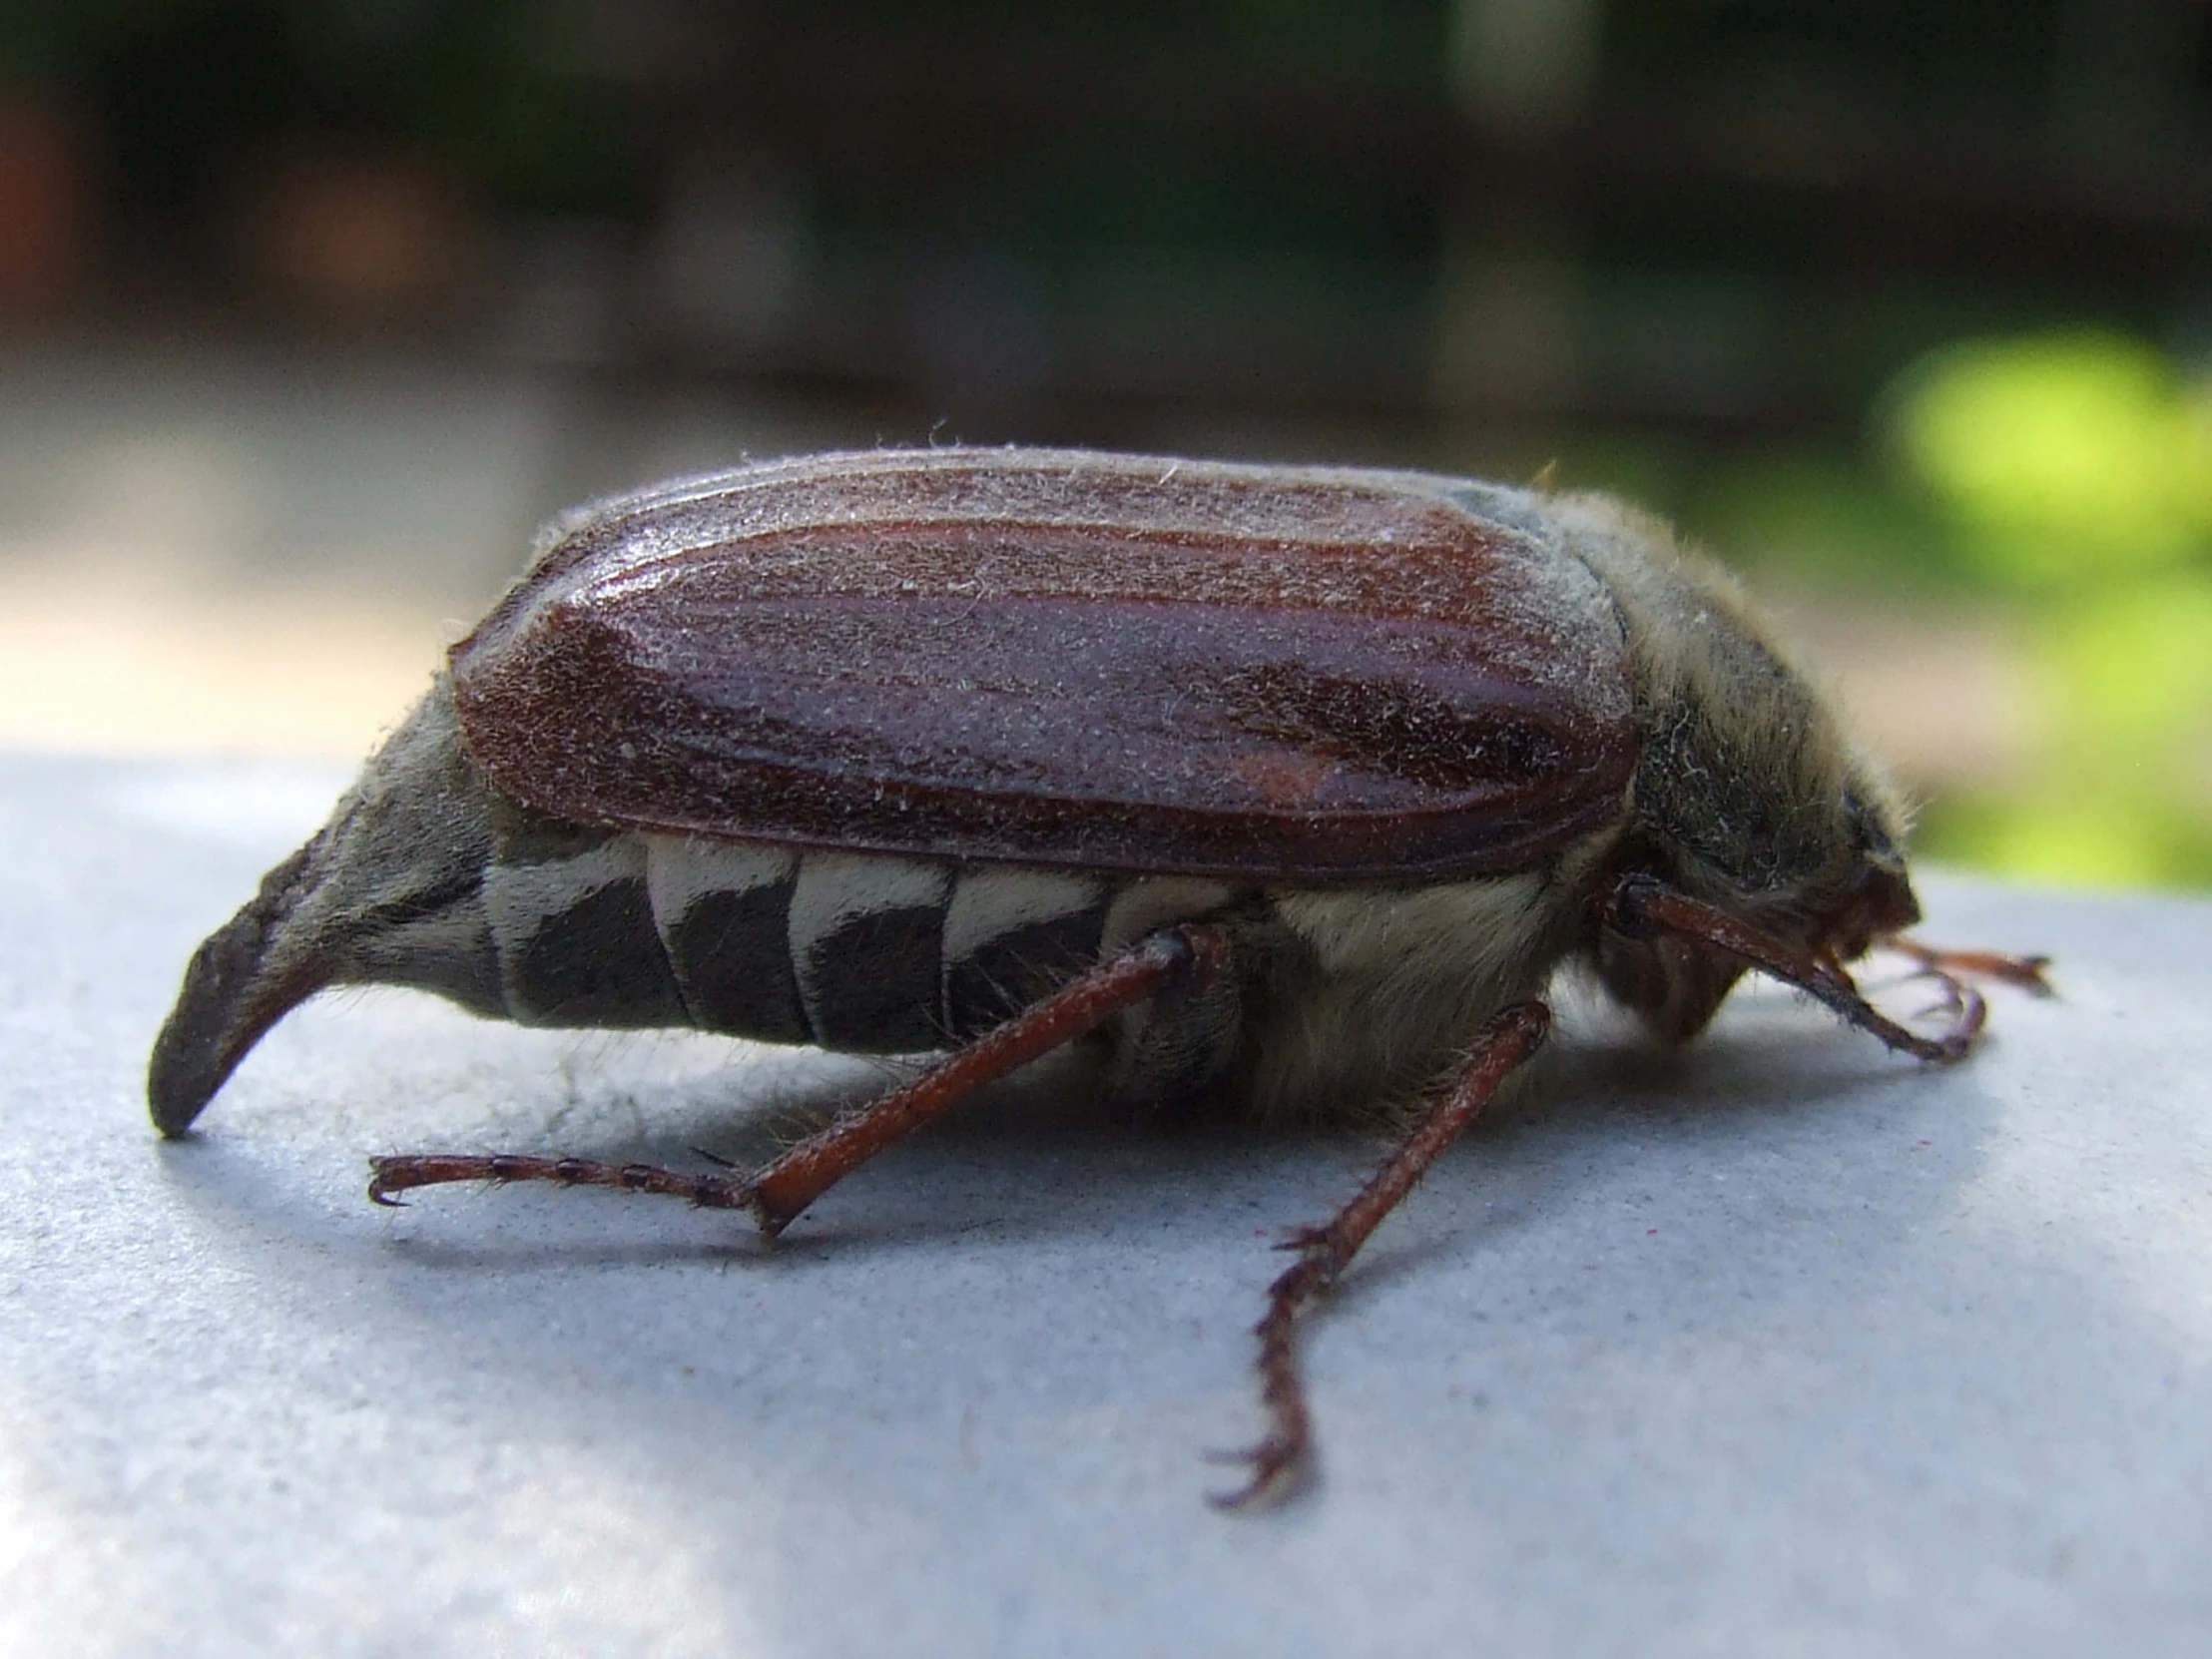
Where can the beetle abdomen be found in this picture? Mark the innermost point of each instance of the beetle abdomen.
(572, 929)
(844, 952)
(722, 913)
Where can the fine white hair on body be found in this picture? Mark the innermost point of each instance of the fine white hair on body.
(1398, 983)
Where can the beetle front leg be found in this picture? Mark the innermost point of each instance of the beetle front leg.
(1172, 962)
(1284, 1453)
(1643, 907)
(2028, 973)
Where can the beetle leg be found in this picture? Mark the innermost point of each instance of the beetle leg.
(1171, 962)
(2027, 972)
(1282, 1455)
(1643, 907)
(435, 1169)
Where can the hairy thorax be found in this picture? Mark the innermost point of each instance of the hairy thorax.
(1384, 990)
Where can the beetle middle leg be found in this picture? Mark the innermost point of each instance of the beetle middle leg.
(1168, 964)
(1283, 1453)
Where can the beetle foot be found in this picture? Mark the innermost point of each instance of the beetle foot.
(1281, 1459)
(1956, 973)
(1277, 1466)
(437, 1169)
(1963, 1006)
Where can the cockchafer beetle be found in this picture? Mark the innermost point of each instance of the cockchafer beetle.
(1289, 786)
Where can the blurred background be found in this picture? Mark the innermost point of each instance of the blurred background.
(310, 310)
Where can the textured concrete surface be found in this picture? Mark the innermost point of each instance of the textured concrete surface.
(1780, 1345)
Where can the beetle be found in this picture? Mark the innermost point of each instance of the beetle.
(1290, 787)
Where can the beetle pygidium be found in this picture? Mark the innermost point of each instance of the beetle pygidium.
(1293, 786)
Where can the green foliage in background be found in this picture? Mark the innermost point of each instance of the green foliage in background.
(2075, 472)
(2069, 460)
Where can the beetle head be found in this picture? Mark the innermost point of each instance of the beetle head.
(1749, 796)
(1828, 913)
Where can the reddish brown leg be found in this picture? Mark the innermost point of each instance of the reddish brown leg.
(1285, 1452)
(437, 1169)
(1170, 963)
(1642, 907)
(2025, 972)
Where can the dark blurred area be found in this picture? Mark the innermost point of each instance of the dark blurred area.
(307, 312)
(1729, 220)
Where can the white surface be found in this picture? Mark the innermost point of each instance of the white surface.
(1782, 1346)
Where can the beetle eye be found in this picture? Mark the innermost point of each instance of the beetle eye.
(1868, 836)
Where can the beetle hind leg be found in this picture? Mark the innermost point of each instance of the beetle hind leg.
(400, 1174)
(1282, 1455)
(1166, 966)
